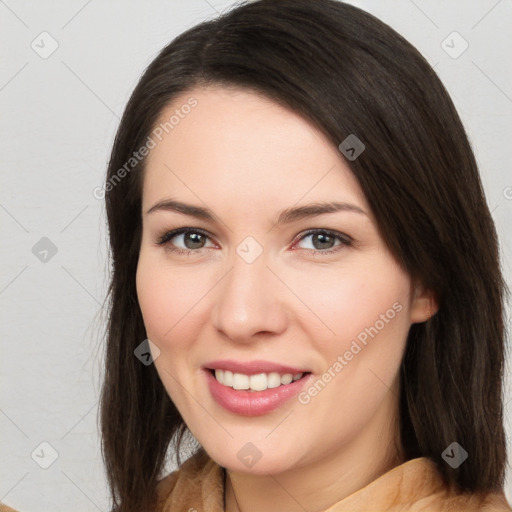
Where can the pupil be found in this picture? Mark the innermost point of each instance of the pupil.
(193, 236)
(323, 245)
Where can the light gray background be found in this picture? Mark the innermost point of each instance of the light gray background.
(58, 119)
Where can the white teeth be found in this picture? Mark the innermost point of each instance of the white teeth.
(240, 381)
(257, 382)
(273, 380)
(227, 378)
(286, 378)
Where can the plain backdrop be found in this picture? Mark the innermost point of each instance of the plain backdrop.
(66, 72)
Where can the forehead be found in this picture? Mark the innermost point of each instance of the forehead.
(239, 146)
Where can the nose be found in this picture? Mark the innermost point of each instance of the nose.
(249, 302)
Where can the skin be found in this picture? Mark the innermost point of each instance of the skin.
(247, 158)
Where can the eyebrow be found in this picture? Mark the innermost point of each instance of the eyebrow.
(286, 216)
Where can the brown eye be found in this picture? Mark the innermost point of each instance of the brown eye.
(193, 240)
(184, 240)
(324, 241)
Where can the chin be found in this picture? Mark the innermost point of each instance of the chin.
(261, 464)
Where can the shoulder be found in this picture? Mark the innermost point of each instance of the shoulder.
(477, 502)
(417, 486)
(467, 502)
(435, 495)
(198, 477)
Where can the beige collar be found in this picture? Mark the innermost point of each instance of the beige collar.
(415, 485)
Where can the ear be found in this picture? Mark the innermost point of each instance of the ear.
(424, 304)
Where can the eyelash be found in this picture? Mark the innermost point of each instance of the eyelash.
(169, 235)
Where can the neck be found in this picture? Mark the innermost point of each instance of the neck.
(324, 481)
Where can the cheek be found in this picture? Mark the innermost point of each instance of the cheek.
(168, 298)
(356, 300)
(158, 298)
(367, 310)
(153, 298)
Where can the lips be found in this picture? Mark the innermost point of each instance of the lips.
(253, 367)
(250, 402)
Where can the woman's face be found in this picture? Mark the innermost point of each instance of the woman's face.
(256, 285)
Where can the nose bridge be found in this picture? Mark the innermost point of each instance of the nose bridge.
(247, 301)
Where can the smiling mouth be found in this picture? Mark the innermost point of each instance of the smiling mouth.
(255, 382)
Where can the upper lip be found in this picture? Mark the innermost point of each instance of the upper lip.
(252, 367)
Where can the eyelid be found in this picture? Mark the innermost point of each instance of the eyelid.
(345, 239)
(168, 235)
(333, 232)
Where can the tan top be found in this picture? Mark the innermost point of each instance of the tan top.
(415, 485)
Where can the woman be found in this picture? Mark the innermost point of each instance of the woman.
(305, 277)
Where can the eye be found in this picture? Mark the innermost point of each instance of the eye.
(322, 241)
(194, 241)
(192, 238)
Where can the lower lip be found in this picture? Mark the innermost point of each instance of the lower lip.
(253, 403)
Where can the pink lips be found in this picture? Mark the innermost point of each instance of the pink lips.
(253, 403)
(252, 367)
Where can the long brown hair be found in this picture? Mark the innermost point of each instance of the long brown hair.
(348, 73)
